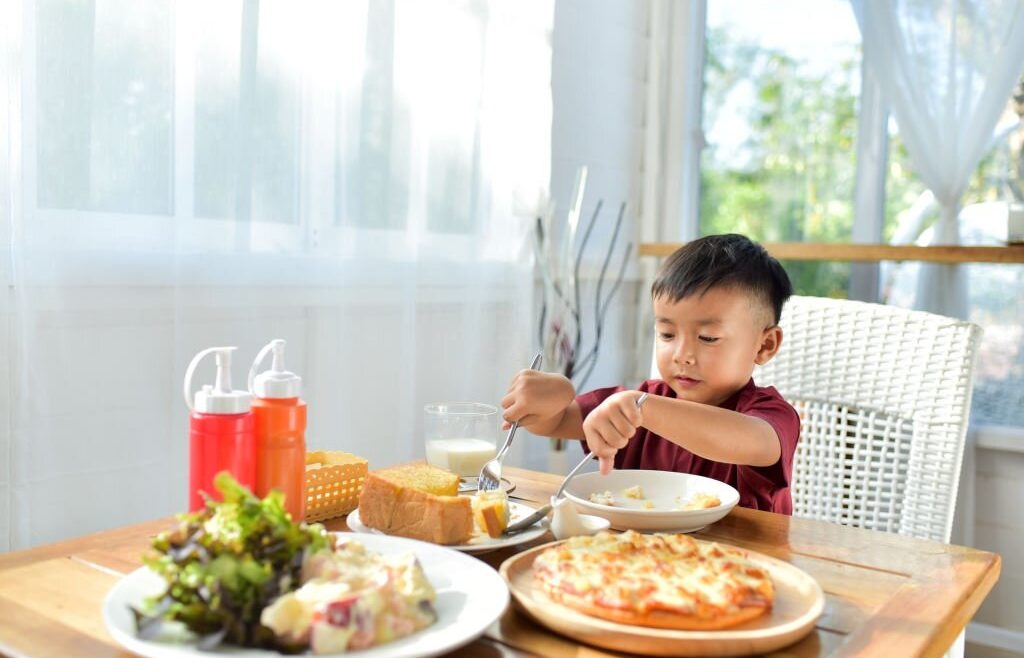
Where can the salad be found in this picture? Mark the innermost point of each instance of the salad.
(242, 572)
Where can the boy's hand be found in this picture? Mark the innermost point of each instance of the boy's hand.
(610, 426)
(535, 396)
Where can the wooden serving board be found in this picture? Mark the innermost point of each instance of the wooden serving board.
(799, 602)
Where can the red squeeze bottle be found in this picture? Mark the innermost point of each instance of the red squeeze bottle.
(280, 431)
(221, 431)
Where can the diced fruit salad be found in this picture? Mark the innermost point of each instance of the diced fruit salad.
(242, 572)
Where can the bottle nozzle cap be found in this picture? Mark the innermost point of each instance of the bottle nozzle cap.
(276, 382)
(218, 398)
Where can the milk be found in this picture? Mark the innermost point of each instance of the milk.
(464, 457)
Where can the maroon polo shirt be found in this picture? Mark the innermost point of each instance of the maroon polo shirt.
(760, 487)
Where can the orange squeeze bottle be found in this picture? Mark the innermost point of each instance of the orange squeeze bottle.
(280, 416)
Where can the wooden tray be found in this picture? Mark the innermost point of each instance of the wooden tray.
(799, 602)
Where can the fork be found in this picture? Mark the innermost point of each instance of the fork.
(490, 475)
(541, 512)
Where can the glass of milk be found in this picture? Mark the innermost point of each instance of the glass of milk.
(460, 436)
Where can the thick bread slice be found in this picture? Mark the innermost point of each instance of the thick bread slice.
(422, 477)
(390, 503)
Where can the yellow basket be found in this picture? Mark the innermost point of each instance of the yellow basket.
(334, 481)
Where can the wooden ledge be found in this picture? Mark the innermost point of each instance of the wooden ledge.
(868, 252)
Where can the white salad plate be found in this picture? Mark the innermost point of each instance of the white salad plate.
(664, 491)
(480, 543)
(470, 597)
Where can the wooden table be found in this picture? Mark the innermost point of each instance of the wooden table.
(886, 595)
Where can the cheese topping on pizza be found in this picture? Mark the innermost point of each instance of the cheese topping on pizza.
(662, 580)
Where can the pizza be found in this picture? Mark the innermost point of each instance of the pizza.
(662, 580)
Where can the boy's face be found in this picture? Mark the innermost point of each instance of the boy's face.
(708, 343)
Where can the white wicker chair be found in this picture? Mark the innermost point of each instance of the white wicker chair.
(884, 395)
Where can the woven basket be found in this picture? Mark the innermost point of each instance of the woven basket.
(333, 487)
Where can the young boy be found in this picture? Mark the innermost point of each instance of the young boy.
(717, 303)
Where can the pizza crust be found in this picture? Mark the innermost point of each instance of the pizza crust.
(657, 618)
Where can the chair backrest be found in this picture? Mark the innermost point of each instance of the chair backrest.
(883, 395)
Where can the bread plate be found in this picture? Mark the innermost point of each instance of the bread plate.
(479, 543)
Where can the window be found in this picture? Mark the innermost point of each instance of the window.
(247, 113)
(780, 122)
(994, 291)
(267, 126)
(104, 70)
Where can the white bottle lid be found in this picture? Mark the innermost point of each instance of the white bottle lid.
(276, 382)
(219, 398)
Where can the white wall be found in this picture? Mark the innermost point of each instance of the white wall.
(990, 517)
(999, 526)
(597, 78)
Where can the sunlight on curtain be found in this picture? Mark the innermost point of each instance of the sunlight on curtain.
(947, 68)
(351, 177)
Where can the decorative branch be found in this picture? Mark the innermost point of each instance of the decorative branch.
(598, 313)
(561, 304)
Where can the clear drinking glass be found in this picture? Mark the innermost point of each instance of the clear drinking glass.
(460, 436)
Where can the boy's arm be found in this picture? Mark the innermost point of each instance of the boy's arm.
(568, 424)
(543, 403)
(711, 432)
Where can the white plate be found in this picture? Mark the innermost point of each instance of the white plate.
(665, 489)
(470, 597)
(480, 543)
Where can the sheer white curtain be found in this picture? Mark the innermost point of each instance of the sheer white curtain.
(353, 177)
(946, 67)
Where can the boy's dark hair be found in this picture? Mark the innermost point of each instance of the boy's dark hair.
(718, 261)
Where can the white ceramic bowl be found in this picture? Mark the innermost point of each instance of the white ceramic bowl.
(664, 489)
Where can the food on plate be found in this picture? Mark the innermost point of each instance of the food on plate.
(224, 563)
(417, 501)
(242, 572)
(491, 512)
(634, 492)
(422, 477)
(699, 500)
(352, 598)
(660, 580)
